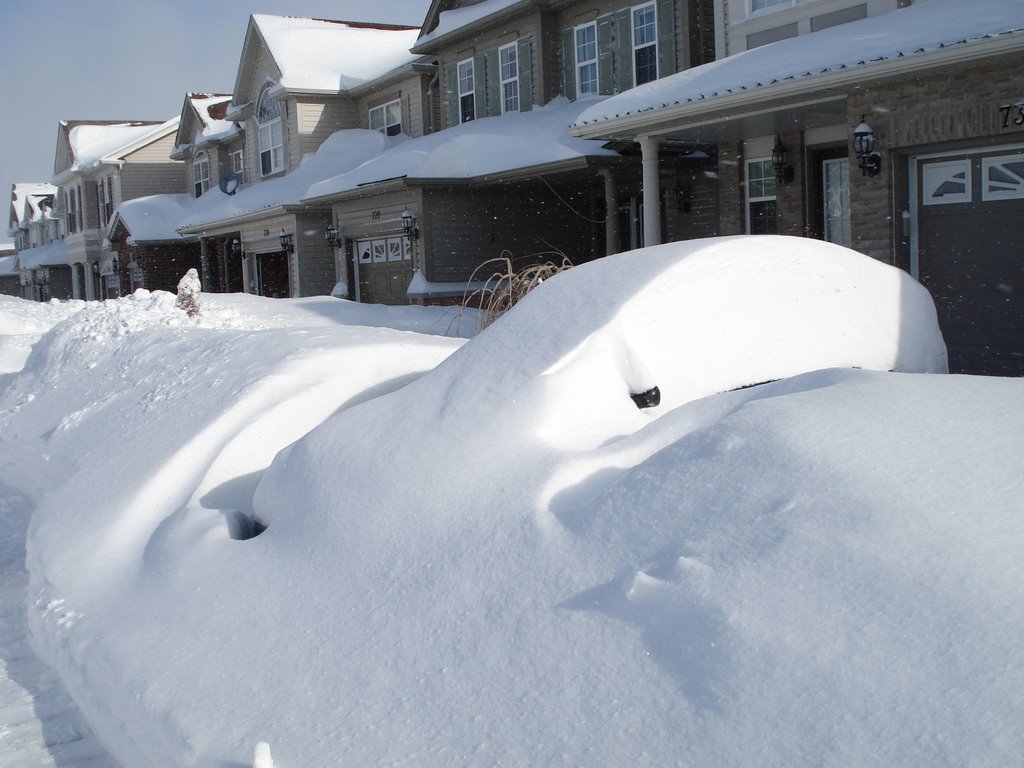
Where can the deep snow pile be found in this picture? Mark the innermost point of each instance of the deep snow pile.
(504, 561)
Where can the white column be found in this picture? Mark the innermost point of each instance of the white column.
(611, 205)
(651, 189)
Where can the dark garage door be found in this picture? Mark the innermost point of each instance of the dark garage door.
(971, 256)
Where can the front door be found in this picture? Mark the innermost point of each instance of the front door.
(967, 251)
(272, 275)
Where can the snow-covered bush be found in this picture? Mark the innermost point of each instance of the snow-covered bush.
(189, 288)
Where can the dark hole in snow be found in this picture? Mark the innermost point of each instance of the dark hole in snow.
(649, 399)
(243, 526)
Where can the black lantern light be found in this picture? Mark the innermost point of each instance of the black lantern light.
(331, 236)
(286, 241)
(868, 159)
(780, 162)
(409, 224)
(236, 247)
(96, 269)
(113, 265)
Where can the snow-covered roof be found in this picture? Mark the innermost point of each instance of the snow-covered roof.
(8, 264)
(855, 50)
(210, 109)
(154, 218)
(52, 255)
(25, 201)
(333, 56)
(458, 18)
(94, 143)
(483, 147)
(340, 152)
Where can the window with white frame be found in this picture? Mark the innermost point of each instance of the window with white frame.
(69, 210)
(105, 199)
(586, 59)
(79, 211)
(467, 91)
(238, 166)
(764, 5)
(201, 173)
(387, 118)
(508, 61)
(271, 133)
(645, 44)
(761, 197)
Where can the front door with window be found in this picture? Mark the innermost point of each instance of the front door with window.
(830, 195)
(272, 275)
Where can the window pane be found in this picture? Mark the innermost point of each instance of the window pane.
(762, 218)
(645, 30)
(646, 64)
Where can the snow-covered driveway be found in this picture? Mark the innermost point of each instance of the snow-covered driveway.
(39, 723)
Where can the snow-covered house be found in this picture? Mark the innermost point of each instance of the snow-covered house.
(502, 177)
(98, 165)
(40, 259)
(900, 133)
(10, 277)
(299, 81)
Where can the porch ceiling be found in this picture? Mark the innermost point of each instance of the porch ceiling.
(763, 120)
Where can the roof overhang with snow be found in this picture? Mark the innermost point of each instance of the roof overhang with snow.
(802, 82)
(448, 26)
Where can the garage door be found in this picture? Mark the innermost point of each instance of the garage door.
(970, 255)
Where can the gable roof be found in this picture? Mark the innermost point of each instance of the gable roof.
(323, 56)
(26, 202)
(203, 120)
(442, 20)
(925, 34)
(87, 144)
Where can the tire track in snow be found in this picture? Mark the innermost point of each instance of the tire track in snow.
(39, 723)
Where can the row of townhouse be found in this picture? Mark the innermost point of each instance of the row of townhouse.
(386, 163)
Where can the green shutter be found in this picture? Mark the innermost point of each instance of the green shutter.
(605, 54)
(492, 83)
(666, 37)
(451, 95)
(480, 86)
(624, 49)
(524, 53)
(569, 63)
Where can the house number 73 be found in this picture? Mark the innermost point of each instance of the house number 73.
(1008, 114)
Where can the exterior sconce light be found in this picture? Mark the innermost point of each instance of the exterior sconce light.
(684, 201)
(95, 269)
(331, 236)
(113, 265)
(868, 159)
(236, 247)
(409, 225)
(286, 241)
(780, 162)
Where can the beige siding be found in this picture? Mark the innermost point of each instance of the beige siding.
(158, 151)
(315, 120)
(317, 273)
(412, 93)
(141, 179)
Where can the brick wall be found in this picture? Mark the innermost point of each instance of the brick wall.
(162, 264)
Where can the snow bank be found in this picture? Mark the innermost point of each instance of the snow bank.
(486, 554)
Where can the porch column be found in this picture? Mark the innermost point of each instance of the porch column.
(611, 212)
(652, 190)
(204, 265)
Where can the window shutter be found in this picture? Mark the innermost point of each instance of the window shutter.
(99, 202)
(624, 49)
(480, 85)
(452, 94)
(569, 63)
(666, 37)
(525, 54)
(605, 33)
(492, 83)
(110, 192)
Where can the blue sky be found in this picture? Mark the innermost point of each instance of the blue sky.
(125, 59)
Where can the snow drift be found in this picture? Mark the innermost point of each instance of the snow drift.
(486, 554)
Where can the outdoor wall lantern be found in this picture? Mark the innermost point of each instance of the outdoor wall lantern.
(113, 265)
(96, 269)
(780, 162)
(868, 159)
(286, 241)
(236, 247)
(331, 236)
(409, 224)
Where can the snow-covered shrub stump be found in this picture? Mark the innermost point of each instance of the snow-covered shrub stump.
(188, 293)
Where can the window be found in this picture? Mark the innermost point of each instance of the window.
(508, 60)
(69, 207)
(238, 167)
(1002, 178)
(387, 118)
(764, 5)
(201, 174)
(271, 134)
(79, 213)
(835, 189)
(104, 200)
(645, 44)
(467, 91)
(586, 59)
(382, 250)
(761, 197)
(946, 183)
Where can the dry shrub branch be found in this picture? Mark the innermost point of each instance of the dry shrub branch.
(506, 286)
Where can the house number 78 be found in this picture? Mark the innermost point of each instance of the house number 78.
(1008, 115)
